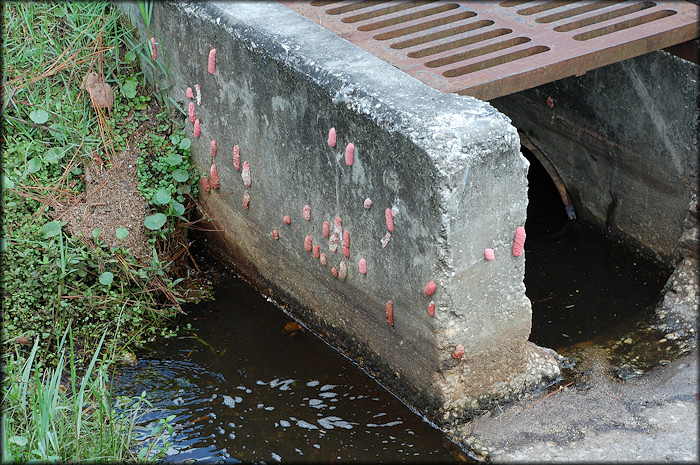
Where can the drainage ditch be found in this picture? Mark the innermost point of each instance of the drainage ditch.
(247, 383)
(587, 290)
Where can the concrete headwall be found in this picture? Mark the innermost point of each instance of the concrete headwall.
(624, 138)
(449, 166)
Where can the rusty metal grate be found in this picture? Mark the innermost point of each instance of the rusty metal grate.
(490, 49)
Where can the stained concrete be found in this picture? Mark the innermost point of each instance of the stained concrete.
(624, 140)
(650, 419)
(450, 167)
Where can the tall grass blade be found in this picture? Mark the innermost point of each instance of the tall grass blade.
(83, 386)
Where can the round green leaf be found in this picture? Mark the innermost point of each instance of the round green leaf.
(162, 197)
(7, 183)
(96, 232)
(19, 440)
(155, 221)
(178, 208)
(57, 133)
(52, 229)
(129, 57)
(39, 116)
(185, 143)
(106, 278)
(54, 154)
(181, 175)
(34, 165)
(121, 232)
(129, 89)
(173, 159)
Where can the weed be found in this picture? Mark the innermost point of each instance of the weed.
(46, 419)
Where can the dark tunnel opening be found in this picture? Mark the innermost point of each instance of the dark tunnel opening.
(580, 283)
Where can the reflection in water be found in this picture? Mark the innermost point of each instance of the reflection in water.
(247, 388)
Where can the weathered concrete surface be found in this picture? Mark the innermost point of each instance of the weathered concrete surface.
(624, 140)
(450, 165)
(652, 419)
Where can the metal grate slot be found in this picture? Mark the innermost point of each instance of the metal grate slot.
(546, 6)
(513, 3)
(624, 25)
(576, 11)
(424, 26)
(324, 2)
(374, 13)
(406, 18)
(355, 6)
(604, 17)
(476, 52)
(439, 35)
(458, 43)
(488, 49)
(503, 59)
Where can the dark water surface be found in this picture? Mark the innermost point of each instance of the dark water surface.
(581, 284)
(255, 390)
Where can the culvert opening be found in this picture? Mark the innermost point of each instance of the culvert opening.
(580, 283)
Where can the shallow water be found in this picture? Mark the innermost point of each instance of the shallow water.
(581, 284)
(253, 390)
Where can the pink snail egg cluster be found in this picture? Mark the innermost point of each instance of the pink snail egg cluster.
(192, 115)
(214, 175)
(389, 220)
(458, 352)
(362, 265)
(245, 174)
(519, 241)
(350, 154)
(212, 61)
(236, 157)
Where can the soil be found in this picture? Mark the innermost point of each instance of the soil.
(111, 199)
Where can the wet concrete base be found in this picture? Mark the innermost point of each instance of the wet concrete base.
(652, 418)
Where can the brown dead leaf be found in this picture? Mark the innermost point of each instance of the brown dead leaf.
(101, 93)
(292, 326)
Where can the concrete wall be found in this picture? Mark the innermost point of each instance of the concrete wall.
(450, 166)
(624, 140)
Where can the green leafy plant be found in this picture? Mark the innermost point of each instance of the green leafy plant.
(46, 420)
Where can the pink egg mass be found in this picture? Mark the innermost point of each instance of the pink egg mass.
(519, 241)
(212, 61)
(350, 154)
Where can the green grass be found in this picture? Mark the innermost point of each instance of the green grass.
(46, 420)
(52, 280)
(50, 277)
